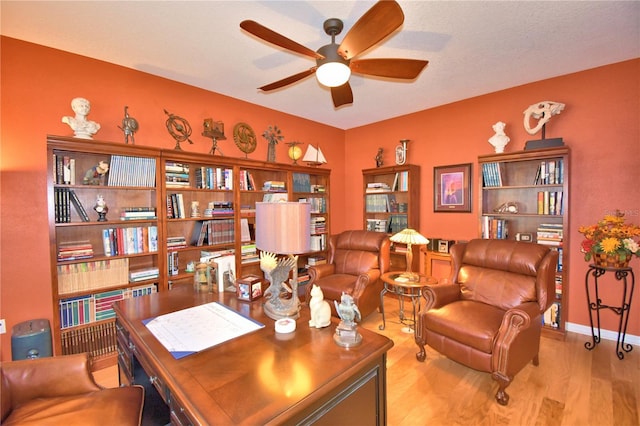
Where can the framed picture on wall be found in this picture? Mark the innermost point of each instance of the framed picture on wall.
(452, 188)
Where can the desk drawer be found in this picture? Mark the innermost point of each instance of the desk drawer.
(125, 356)
(153, 376)
(178, 415)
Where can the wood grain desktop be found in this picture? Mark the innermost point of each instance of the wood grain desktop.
(259, 378)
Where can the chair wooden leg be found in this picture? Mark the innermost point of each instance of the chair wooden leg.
(422, 355)
(501, 396)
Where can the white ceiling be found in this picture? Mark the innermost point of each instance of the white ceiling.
(473, 47)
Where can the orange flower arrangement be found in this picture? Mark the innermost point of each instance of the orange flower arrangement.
(612, 237)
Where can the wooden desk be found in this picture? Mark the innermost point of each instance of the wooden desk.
(259, 378)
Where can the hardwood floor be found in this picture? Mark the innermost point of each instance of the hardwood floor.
(571, 386)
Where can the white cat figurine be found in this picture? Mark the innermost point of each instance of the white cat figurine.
(320, 309)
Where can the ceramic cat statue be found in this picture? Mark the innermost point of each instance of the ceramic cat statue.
(320, 309)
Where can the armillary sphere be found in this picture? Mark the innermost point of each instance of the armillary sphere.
(179, 129)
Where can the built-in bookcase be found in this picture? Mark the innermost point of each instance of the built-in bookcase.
(95, 263)
(525, 196)
(391, 204)
(167, 209)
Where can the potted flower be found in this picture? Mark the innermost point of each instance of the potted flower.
(610, 242)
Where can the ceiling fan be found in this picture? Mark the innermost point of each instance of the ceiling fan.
(335, 63)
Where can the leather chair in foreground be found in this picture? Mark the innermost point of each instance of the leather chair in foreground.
(356, 261)
(61, 391)
(489, 317)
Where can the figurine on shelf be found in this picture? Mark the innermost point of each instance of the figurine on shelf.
(500, 139)
(346, 334)
(379, 158)
(82, 127)
(96, 174)
(129, 127)
(101, 208)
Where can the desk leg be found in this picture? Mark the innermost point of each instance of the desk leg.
(382, 293)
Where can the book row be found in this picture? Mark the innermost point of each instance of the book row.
(130, 240)
(83, 276)
(215, 231)
(318, 204)
(64, 198)
(550, 202)
(132, 171)
(99, 339)
(550, 173)
(64, 169)
(97, 307)
(494, 228)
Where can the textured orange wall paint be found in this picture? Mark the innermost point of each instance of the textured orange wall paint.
(38, 84)
(601, 125)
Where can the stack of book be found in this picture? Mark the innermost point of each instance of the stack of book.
(316, 260)
(176, 175)
(144, 274)
(318, 188)
(550, 234)
(274, 186)
(377, 225)
(138, 213)
(74, 250)
(249, 253)
(176, 242)
(377, 187)
(318, 225)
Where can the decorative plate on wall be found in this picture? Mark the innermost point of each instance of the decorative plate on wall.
(245, 138)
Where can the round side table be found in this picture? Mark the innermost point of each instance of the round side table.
(397, 283)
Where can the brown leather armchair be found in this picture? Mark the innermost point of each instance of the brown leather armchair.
(356, 261)
(489, 317)
(61, 391)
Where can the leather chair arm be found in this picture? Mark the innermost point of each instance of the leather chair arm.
(48, 377)
(439, 295)
(320, 271)
(514, 323)
(369, 277)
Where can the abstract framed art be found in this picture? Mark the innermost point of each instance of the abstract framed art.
(452, 188)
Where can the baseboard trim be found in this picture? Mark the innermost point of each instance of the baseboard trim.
(604, 334)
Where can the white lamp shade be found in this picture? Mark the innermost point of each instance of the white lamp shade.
(409, 236)
(333, 74)
(284, 227)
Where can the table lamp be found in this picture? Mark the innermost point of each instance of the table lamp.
(282, 228)
(409, 237)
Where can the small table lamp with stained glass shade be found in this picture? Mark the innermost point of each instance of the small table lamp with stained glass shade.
(409, 237)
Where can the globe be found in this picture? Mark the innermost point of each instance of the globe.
(295, 153)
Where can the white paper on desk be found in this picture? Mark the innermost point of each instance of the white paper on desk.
(200, 327)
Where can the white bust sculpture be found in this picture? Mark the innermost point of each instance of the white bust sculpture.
(500, 139)
(82, 127)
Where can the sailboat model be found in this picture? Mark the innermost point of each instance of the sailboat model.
(314, 156)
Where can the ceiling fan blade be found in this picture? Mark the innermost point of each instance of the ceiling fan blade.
(390, 67)
(289, 80)
(342, 95)
(379, 21)
(273, 37)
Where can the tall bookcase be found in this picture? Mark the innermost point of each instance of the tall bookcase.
(525, 196)
(166, 210)
(94, 263)
(391, 204)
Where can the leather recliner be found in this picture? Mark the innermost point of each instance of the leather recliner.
(355, 263)
(61, 391)
(489, 317)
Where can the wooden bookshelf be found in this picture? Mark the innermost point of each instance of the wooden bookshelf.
(391, 198)
(141, 181)
(535, 184)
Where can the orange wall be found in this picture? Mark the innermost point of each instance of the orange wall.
(38, 84)
(601, 125)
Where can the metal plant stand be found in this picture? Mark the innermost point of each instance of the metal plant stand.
(624, 275)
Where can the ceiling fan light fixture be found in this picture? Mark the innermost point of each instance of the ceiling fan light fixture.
(333, 74)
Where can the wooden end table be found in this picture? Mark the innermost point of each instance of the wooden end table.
(395, 282)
